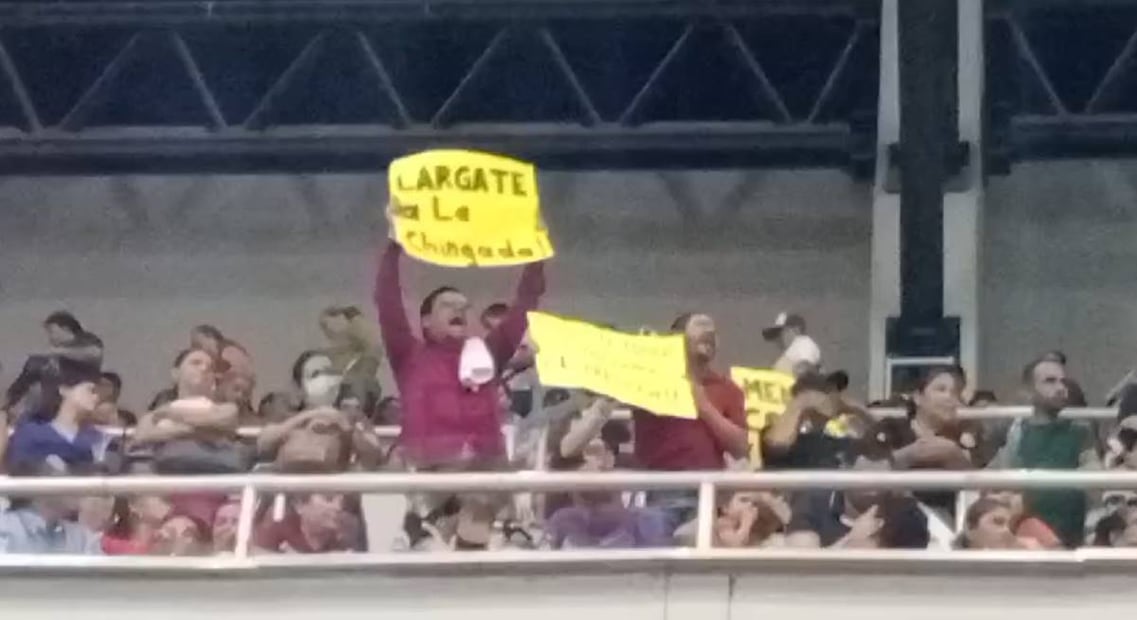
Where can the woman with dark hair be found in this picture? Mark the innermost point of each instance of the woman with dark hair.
(932, 436)
(1032, 531)
(321, 434)
(135, 523)
(64, 427)
(990, 524)
(316, 379)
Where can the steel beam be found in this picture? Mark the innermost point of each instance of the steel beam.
(1041, 108)
(124, 71)
(355, 12)
(361, 148)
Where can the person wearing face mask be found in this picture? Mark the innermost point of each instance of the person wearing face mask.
(322, 435)
(317, 380)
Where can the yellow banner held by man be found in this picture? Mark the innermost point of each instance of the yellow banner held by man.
(767, 392)
(467, 209)
(643, 370)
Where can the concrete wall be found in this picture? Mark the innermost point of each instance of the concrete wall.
(249, 258)
(1000, 591)
(253, 256)
(1060, 271)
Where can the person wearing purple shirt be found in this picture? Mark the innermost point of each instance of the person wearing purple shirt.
(600, 520)
(67, 433)
(607, 525)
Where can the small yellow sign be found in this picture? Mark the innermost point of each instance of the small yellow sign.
(467, 209)
(643, 370)
(767, 392)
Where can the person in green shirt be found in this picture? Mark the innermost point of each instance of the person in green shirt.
(1045, 440)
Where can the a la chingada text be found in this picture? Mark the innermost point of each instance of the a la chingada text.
(464, 178)
(475, 253)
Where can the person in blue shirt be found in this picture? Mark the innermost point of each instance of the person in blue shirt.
(45, 525)
(63, 429)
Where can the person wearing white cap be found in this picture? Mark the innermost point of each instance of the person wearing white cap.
(799, 353)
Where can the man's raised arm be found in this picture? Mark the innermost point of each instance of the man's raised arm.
(503, 341)
(393, 323)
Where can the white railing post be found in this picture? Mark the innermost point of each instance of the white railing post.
(706, 522)
(245, 521)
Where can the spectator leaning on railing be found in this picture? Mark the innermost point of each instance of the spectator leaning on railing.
(189, 431)
(64, 427)
(932, 436)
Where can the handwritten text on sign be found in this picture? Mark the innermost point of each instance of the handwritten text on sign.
(646, 371)
(464, 208)
(767, 392)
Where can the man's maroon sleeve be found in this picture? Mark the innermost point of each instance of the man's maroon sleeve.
(504, 341)
(393, 324)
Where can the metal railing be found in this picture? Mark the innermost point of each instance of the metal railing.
(967, 413)
(706, 484)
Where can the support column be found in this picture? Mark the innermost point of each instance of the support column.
(925, 245)
(963, 206)
(884, 299)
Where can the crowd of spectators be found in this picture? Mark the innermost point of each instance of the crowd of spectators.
(457, 381)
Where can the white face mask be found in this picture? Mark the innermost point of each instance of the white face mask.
(476, 366)
(322, 390)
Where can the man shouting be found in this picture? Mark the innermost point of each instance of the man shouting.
(450, 381)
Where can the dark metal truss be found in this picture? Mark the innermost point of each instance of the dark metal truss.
(235, 85)
(1062, 79)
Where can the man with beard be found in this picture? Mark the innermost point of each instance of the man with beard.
(450, 382)
(678, 444)
(1046, 440)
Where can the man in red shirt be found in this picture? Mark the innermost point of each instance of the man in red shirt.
(677, 444)
(451, 421)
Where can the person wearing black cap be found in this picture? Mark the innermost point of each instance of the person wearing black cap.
(798, 352)
(815, 427)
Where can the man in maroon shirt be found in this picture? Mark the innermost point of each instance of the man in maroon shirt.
(678, 444)
(448, 423)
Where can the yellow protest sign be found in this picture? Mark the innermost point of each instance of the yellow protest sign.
(767, 392)
(643, 370)
(467, 209)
